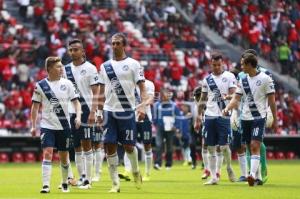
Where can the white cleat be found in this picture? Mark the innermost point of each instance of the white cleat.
(137, 178)
(211, 182)
(65, 188)
(231, 175)
(45, 189)
(115, 189)
(85, 185)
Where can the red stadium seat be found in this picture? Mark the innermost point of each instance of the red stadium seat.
(17, 157)
(270, 155)
(279, 155)
(4, 157)
(29, 157)
(290, 155)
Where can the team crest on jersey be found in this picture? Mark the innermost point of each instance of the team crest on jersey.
(83, 72)
(224, 79)
(258, 83)
(125, 68)
(63, 87)
(104, 131)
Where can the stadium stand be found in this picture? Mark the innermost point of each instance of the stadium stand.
(171, 50)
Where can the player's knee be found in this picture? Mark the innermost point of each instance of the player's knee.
(223, 148)
(212, 149)
(147, 147)
(255, 147)
(48, 153)
(128, 148)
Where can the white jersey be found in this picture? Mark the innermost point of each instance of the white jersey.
(85, 76)
(260, 86)
(150, 91)
(224, 82)
(128, 73)
(64, 91)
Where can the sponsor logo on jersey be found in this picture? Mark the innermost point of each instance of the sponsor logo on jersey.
(54, 102)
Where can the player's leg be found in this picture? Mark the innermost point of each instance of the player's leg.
(99, 154)
(110, 132)
(211, 141)
(79, 158)
(263, 162)
(219, 159)
(127, 136)
(205, 155)
(169, 149)
(62, 143)
(47, 143)
(241, 151)
(146, 135)
(193, 150)
(224, 138)
(86, 144)
(159, 142)
(256, 139)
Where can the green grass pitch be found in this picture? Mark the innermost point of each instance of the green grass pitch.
(24, 181)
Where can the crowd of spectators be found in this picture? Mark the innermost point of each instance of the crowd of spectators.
(173, 53)
(271, 27)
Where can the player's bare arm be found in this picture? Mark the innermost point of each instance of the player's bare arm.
(233, 104)
(77, 107)
(272, 104)
(92, 116)
(34, 114)
(201, 105)
(101, 99)
(141, 108)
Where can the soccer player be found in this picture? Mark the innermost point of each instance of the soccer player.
(196, 135)
(258, 90)
(85, 78)
(144, 133)
(53, 95)
(240, 146)
(118, 77)
(216, 89)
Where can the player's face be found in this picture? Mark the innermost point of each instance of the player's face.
(117, 46)
(56, 70)
(76, 51)
(245, 68)
(217, 66)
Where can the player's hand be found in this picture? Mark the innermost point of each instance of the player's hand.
(274, 125)
(33, 132)
(92, 118)
(141, 113)
(77, 122)
(225, 112)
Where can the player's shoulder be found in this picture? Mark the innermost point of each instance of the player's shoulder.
(265, 77)
(88, 65)
(65, 81)
(149, 83)
(229, 74)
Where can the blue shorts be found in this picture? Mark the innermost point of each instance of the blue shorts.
(144, 131)
(253, 130)
(59, 139)
(218, 131)
(236, 141)
(83, 133)
(119, 127)
(96, 134)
